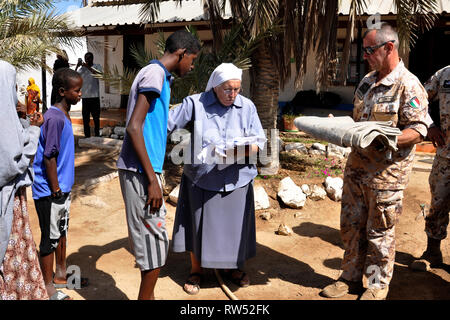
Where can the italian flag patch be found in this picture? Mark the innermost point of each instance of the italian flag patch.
(414, 103)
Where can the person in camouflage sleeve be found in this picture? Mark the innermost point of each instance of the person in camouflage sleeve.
(375, 177)
(436, 221)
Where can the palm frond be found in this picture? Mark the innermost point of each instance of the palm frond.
(26, 36)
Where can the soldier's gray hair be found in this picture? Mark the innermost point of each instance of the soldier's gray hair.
(384, 32)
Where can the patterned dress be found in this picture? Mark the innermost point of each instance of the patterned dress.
(21, 276)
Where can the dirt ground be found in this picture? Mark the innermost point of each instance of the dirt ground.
(292, 267)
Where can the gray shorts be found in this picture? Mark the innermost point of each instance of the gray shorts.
(146, 231)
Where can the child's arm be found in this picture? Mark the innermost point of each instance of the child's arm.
(52, 176)
(134, 130)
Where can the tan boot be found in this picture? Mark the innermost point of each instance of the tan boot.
(375, 294)
(341, 288)
(432, 257)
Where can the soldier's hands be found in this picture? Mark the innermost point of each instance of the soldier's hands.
(436, 136)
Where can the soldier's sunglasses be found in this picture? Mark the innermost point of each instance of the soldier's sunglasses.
(372, 49)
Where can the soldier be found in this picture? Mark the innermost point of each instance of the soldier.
(436, 221)
(375, 177)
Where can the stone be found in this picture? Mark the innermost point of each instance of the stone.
(120, 131)
(317, 193)
(300, 147)
(284, 230)
(291, 194)
(106, 132)
(114, 136)
(319, 146)
(334, 186)
(337, 151)
(299, 215)
(173, 196)
(315, 152)
(271, 168)
(306, 190)
(265, 215)
(261, 198)
(100, 143)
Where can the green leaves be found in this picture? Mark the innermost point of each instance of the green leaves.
(29, 30)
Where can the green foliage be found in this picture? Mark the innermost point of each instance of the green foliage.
(235, 49)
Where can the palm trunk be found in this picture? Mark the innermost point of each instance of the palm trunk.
(264, 91)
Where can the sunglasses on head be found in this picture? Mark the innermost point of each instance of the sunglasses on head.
(372, 49)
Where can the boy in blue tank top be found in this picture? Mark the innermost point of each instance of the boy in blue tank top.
(54, 168)
(142, 156)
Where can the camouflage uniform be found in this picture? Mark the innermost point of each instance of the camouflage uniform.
(374, 179)
(436, 222)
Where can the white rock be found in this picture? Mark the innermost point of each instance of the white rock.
(120, 131)
(284, 230)
(316, 152)
(291, 194)
(173, 196)
(265, 215)
(306, 190)
(100, 143)
(106, 131)
(337, 151)
(114, 136)
(317, 193)
(334, 188)
(261, 198)
(319, 146)
(296, 146)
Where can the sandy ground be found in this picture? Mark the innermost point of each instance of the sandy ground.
(292, 267)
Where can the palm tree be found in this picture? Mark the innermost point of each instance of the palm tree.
(31, 29)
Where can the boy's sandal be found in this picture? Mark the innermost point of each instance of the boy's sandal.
(59, 295)
(194, 281)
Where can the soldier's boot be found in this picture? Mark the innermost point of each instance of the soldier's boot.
(375, 294)
(432, 256)
(341, 287)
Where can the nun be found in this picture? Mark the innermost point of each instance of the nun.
(215, 214)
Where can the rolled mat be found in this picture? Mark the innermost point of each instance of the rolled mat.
(345, 132)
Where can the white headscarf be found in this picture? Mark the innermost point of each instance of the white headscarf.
(224, 72)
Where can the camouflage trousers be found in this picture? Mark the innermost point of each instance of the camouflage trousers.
(436, 221)
(368, 219)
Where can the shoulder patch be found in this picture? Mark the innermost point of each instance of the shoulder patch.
(414, 102)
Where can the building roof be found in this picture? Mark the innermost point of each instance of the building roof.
(386, 7)
(107, 14)
(100, 13)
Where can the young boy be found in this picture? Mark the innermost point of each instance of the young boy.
(54, 168)
(142, 156)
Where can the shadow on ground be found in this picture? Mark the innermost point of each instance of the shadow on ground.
(268, 264)
(102, 285)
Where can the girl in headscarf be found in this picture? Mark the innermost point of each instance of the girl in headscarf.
(215, 215)
(20, 273)
(34, 97)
